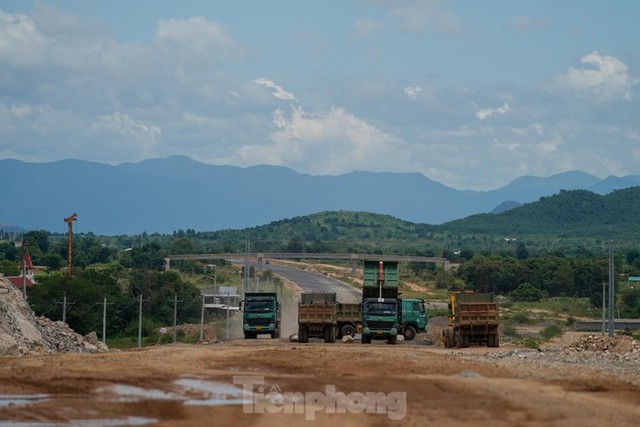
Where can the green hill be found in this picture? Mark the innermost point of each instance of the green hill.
(570, 221)
(571, 214)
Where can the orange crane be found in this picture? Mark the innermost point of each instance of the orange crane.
(69, 221)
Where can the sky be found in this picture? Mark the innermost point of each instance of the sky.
(472, 94)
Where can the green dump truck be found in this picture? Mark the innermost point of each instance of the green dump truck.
(317, 317)
(473, 318)
(261, 315)
(384, 315)
(380, 302)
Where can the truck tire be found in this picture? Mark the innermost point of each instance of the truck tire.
(303, 335)
(249, 335)
(275, 334)
(493, 340)
(392, 340)
(366, 339)
(347, 330)
(330, 335)
(462, 340)
(409, 333)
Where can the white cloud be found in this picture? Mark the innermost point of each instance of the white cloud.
(602, 76)
(366, 27)
(331, 143)
(412, 91)
(417, 16)
(483, 113)
(197, 35)
(128, 128)
(278, 92)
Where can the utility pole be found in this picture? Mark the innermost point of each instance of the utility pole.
(104, 319)
(611, 288)
(64, 307)
(175, 317)
(604, 291)
(245, 283)
(140, 323)
(69, 221)
(202, 321)
(228, 301)
(24, 280)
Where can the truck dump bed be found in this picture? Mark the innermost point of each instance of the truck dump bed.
(380, 279)
(476, 309)
(317, 316)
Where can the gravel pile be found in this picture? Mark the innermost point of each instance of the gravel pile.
(21, 332)
(621, 348)
(601, 355)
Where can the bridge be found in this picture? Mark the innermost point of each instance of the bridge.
(354, 258)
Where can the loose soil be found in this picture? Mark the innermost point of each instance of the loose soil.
(444, 387)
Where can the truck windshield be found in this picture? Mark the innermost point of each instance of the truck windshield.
(259, 306)
(381, 308)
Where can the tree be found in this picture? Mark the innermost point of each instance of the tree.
(526, 292)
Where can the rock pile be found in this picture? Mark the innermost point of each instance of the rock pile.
(620, 347)
(21, 332)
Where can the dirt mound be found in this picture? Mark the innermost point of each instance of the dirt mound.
(620, 347)
(435, 325)
(21, 332)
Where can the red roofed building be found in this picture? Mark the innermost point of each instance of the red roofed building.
(17, 281)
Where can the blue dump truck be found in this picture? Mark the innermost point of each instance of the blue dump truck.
(384, 315)
(261, 315)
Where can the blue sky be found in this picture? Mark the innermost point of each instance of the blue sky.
(470, 93)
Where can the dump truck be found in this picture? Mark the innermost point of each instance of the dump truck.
(473, 318)
(261, 314)
(317, 317)
(380, 301)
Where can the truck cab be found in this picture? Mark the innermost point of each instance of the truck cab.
(412, 317)
(261, 315)
(380, 320)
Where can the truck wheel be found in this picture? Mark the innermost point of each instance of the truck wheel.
(303, 335)
(366, 339)
(493, 340)
(348, 330)
(463, 340)
(393, 340)
(249, 335)
(332, 334)
(409, 333)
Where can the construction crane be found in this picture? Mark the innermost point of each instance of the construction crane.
(69, 221)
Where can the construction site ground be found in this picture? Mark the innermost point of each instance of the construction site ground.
(193, 385)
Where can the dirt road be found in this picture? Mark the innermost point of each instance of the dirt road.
(408, 384)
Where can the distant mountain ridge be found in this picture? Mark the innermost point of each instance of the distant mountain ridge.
(168, 194)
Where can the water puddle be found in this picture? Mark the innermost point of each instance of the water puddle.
(129, 393)
(21, 399)
(210, 393)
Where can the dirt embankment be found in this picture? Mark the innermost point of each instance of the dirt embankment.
(21, 332)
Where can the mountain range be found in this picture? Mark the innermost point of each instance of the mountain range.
(167, 194)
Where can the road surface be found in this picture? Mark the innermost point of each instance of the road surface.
(314, 282)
